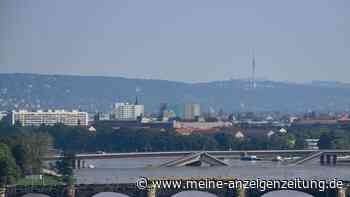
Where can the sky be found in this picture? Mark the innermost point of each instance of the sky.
(181, 40)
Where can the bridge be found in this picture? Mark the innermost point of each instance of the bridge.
(326, 156)
(218, 154)
(152, 190)
(194, 160)
(308, 158)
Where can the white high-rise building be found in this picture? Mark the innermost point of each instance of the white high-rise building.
(37, 118)
(126, 111)
(192, 111)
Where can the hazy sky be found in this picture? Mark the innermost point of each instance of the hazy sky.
(184, 40)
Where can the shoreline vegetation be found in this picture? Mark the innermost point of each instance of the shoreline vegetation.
(22, 148)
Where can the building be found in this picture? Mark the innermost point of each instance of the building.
(270, 133)
(3, 114)
(163, 107)
(239, 135)
(187, 128)
(312, 144)
(168, 114)
(126, 111)
(133, 124)
(314, 123)
(239, 132)
(102, 116)
(202, 125)
(92, 129)
(37, 118)
(192, 111)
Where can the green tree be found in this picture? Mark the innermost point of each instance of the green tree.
(326, 141)
(341, 139)
(20, 154)
(65, 167)
(300, 143)
(282, 141)
(225, 141)
(8, 168)
(36, 145)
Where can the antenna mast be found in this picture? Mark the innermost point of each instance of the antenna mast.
(253, 85)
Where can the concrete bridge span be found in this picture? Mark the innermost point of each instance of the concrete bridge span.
(326, 157)
(218, 154)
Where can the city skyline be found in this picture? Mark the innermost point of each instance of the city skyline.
(192, 41)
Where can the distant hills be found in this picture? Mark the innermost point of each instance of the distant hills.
(90, 93)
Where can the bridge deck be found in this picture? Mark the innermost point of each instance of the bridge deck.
(308, 158)
(218, 154)
(198, 157)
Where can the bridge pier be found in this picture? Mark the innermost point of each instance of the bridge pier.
(240, 192)
(335, 159)
(71, 191)
(78, 164)
(2, 192)
(341, 192)
(328, 158)
(151, 191)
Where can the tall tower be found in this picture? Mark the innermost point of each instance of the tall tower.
(136, 100)
(253, 82)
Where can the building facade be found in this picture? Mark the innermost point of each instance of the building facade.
(201, 125)
(3, 114)
(37, 118)
(126, 111)
(192, 111)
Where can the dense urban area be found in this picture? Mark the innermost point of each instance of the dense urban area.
(28, 136)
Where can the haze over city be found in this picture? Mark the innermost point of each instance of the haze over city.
(190, 41)
(182, 98)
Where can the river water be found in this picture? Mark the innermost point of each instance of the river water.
(128, 170)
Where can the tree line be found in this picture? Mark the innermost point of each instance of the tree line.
(21, 148)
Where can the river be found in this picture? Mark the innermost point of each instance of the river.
(128, 170)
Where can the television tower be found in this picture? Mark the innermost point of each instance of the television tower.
(253, 82)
